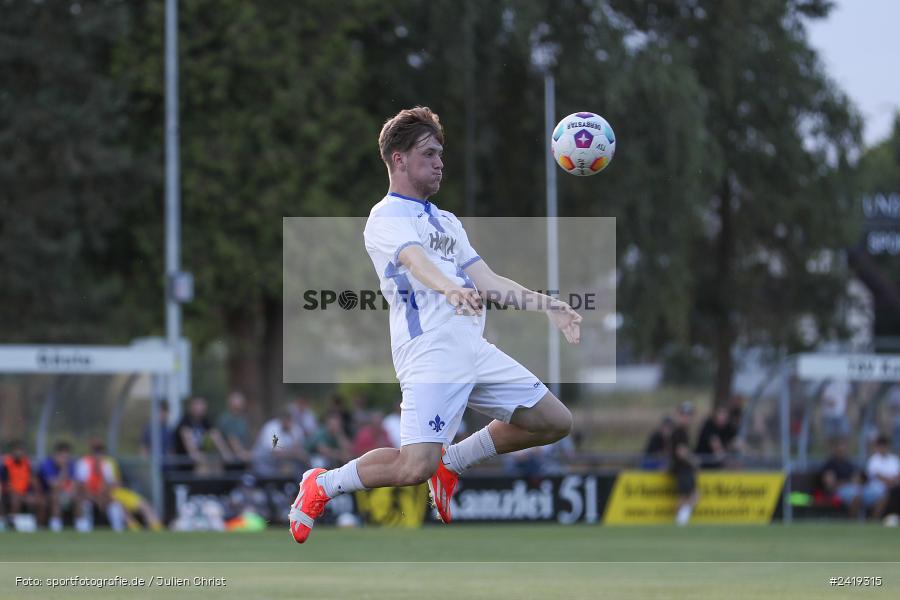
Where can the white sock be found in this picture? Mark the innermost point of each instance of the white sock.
(116, 515)
(684, 514)
(82, 525)
(87, 516)
(476, 448)
(56, 524)
(341, 480)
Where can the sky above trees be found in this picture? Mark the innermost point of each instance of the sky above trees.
(859, 45)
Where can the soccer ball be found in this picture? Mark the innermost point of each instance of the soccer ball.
(583, 143)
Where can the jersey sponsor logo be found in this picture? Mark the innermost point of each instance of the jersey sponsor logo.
(441, 242)
(436, 424)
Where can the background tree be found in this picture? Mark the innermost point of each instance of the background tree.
(781, 202)
(65, 175)
(271, 127)
(731, 186)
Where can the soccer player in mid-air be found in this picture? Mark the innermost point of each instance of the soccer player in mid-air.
(434, 282)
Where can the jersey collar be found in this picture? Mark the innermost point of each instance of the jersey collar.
(425, 203)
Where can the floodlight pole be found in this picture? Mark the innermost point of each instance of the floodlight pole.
(787, 509)
(553, 369)
(173, 238)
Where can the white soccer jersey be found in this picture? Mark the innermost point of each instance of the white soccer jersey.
(883, 466)
(400, 221)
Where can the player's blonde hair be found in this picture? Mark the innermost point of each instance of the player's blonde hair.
(403, 130)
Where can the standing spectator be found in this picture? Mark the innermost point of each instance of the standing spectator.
(21, 483)
(391, 424)
(736, 411)
(715, 438)
(303, 416)
(279, 447)
(735, 420)
(834, 409)
(235, 430)
(166, 437)
(883, 471)
(96, 479)
(57, 477)
(841, 478)
(657, 450)
(191, 434)
(683, 464)
(370, 435)
(330, 444)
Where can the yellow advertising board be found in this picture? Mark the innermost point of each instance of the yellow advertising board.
(393, 507)
(641, 497)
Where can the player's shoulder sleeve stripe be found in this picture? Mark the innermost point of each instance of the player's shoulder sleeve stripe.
(470, 262)
(403, 246)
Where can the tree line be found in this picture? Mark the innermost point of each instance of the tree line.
(734, 184)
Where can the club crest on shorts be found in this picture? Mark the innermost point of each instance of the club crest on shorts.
(437, 424)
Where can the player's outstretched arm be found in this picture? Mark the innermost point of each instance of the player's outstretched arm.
(566, 320)
(506, 292)
(466, 300)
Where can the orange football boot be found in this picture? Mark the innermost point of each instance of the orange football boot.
(308, 506)
(441, 486)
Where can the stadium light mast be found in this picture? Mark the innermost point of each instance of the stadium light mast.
(173, 249)
(544, 57)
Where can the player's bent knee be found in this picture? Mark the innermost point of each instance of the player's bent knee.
(415, 476)
(560, 426)
(417, 472)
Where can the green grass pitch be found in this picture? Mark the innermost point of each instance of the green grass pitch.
(464, 561)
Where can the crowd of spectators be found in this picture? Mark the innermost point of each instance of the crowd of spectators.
(64, 487)
(669, 447)
(716, 443)
(872, 489)
(293, 440)
(33, 496)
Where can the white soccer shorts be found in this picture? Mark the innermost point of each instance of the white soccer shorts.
(450, 367)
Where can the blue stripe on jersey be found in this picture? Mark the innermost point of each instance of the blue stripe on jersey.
(404, 289)
(401, 247)
(433, 220)
(471, 261)
(426, 205)
(462, 275)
